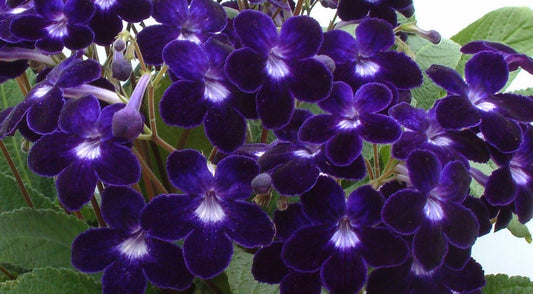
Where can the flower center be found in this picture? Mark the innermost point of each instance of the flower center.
(89, 149)
(366, 68)
(58, 29)
(135, 246)
(344, 237)
(433, 210)
(215, 91)
(348, 124)
(275, 66)
(419, 271)
(209, 210)
(104, 4)
(519, 176)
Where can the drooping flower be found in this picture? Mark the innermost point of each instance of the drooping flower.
(513, 58)
(56, 24)
(180, 21)
(342, 239)
(475, 102)
(211, 214)
(368, 58)
(82, 151)
(350, 118)
(125, 251)
(279, 67)
(432, 208)
(382, 9)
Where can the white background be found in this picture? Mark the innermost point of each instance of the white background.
(498, 252)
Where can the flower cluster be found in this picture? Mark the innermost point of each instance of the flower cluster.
(321, 120)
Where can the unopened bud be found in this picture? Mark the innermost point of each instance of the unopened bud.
(127, 123)
(120, 67)
(119, 45)
(262, 183)
(327, 61)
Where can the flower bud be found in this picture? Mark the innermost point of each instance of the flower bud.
(120, 67)
(119, 45)
(127, 123)
(262, 183)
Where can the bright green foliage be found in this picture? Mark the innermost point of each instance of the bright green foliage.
(240, 277)
(503, 284)
(519, 230)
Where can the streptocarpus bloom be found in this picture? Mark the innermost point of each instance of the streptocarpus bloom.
(514, 59)
(432, 208)
(43, 103)
(280, 67)
(383, 9)
(203, 94)
(475, 102)
(351, 117)
(367, 59)
(125, 251)
(180, 21)
(342, 239)
(56, 24)
(211, 214)
(83, 151)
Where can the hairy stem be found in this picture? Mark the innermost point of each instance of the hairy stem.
(15, 172)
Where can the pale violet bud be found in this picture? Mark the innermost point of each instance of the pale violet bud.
(262, 183)
(120, 67)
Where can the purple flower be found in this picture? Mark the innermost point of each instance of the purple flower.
(383, 9)
(83, 151)
(279, 67)
(422, 130)
(342, 239)
(203, 94)
(125, 251)
(56, 24)
(45, 100)
(475, 103)
(108, 16)
(432, 208)
(514, 59)
(211, 214)
(180, 21)
(350, 118)
(366, 59)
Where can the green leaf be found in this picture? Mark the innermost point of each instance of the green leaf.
(34, 238)
(426, 54)
(519, 230)
(525, 92)
(50, 280)
(503, 284)
(240, 277)
(476, 189)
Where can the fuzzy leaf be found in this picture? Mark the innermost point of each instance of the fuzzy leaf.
(503, 284)
(240, 277)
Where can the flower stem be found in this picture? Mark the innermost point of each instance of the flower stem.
(152, 120)
(264, 135)
(150, 173)
(147, 182)
(139, 55)
(15, 172)
(7, 273)
(183, 138)
(369, 169)
(97, 212)
(298, 7)
(377, 172)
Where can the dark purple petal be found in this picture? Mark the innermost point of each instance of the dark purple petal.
(248, 225)
(300, 37)
(380, 247)
(267, 266)
(379, 128)
(93, 250)
(456, 112)
(344, 147)
(233, 177)
(79, 11)
(256, 30)
(415, 119)
(50, 45)
(117, 165)
(29, 27)
(166, 267)
(152, 40)
(105, 120)
(350, 10)
(186, 59)
(430, 246)
(187, 170)
(469, 279)
(289, 132)
(51, 9)
(456, 258)
(468, 144)
(325, 202)
(295, 177)
(407, 142)
(106, 25)
(487, 72)
(339, 45)
(75, 184)
(121, 208)
(310, 80)
(78, 37)
(398, 69)
(209, 15)
(289, 220)
(134, 10)
(207, 251)
(404, 211)
(275, 104)
(124, 277)
(374, 35)
(500, 188)
(307, 249)
(447, 78)
(424, 170)
(340, 101)
(388, 280)
(168, 216)
(172, 12)
(319, 128)
(502, 133)
(52, 153)
(460, 225)
(280, 154)
(354, 171)
(225, 128)
(79, 72)
(79, 117)
(44, 114)
(343, 273)
(517, 107)
(364, 206)
(480, 210)
(372, 97)
(296, 282)
(183, 104)
(246, 69)
(454, 183)
(523, 204)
